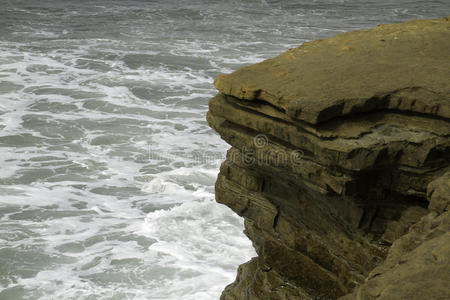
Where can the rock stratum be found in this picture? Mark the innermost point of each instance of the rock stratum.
(340, 166)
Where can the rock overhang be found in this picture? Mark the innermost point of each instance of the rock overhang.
(402, 67)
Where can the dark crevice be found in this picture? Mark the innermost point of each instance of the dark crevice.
(348, 117)
(275, 219)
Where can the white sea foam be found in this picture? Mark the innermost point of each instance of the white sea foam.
(208, 234)
(88, 223)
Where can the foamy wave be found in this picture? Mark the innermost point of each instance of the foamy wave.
(197, 236)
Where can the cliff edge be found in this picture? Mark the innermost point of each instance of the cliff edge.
(340, 166)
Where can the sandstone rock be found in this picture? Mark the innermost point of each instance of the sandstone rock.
(418, 263)
(393, 67)
(338, 160)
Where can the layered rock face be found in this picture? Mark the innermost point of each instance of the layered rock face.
(340, 166)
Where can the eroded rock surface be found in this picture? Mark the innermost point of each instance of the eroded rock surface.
(338, 164)
(395, 67)
(418, 263)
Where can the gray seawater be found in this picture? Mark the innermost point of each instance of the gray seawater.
(107, 165)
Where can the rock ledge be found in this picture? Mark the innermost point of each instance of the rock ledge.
(340, 166)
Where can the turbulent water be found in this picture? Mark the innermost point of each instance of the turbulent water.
(107, 165)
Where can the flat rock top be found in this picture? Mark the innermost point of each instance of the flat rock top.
(402, 67)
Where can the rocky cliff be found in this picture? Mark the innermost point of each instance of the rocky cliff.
(339, 164)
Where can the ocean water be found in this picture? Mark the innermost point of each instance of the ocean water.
(107, 165)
